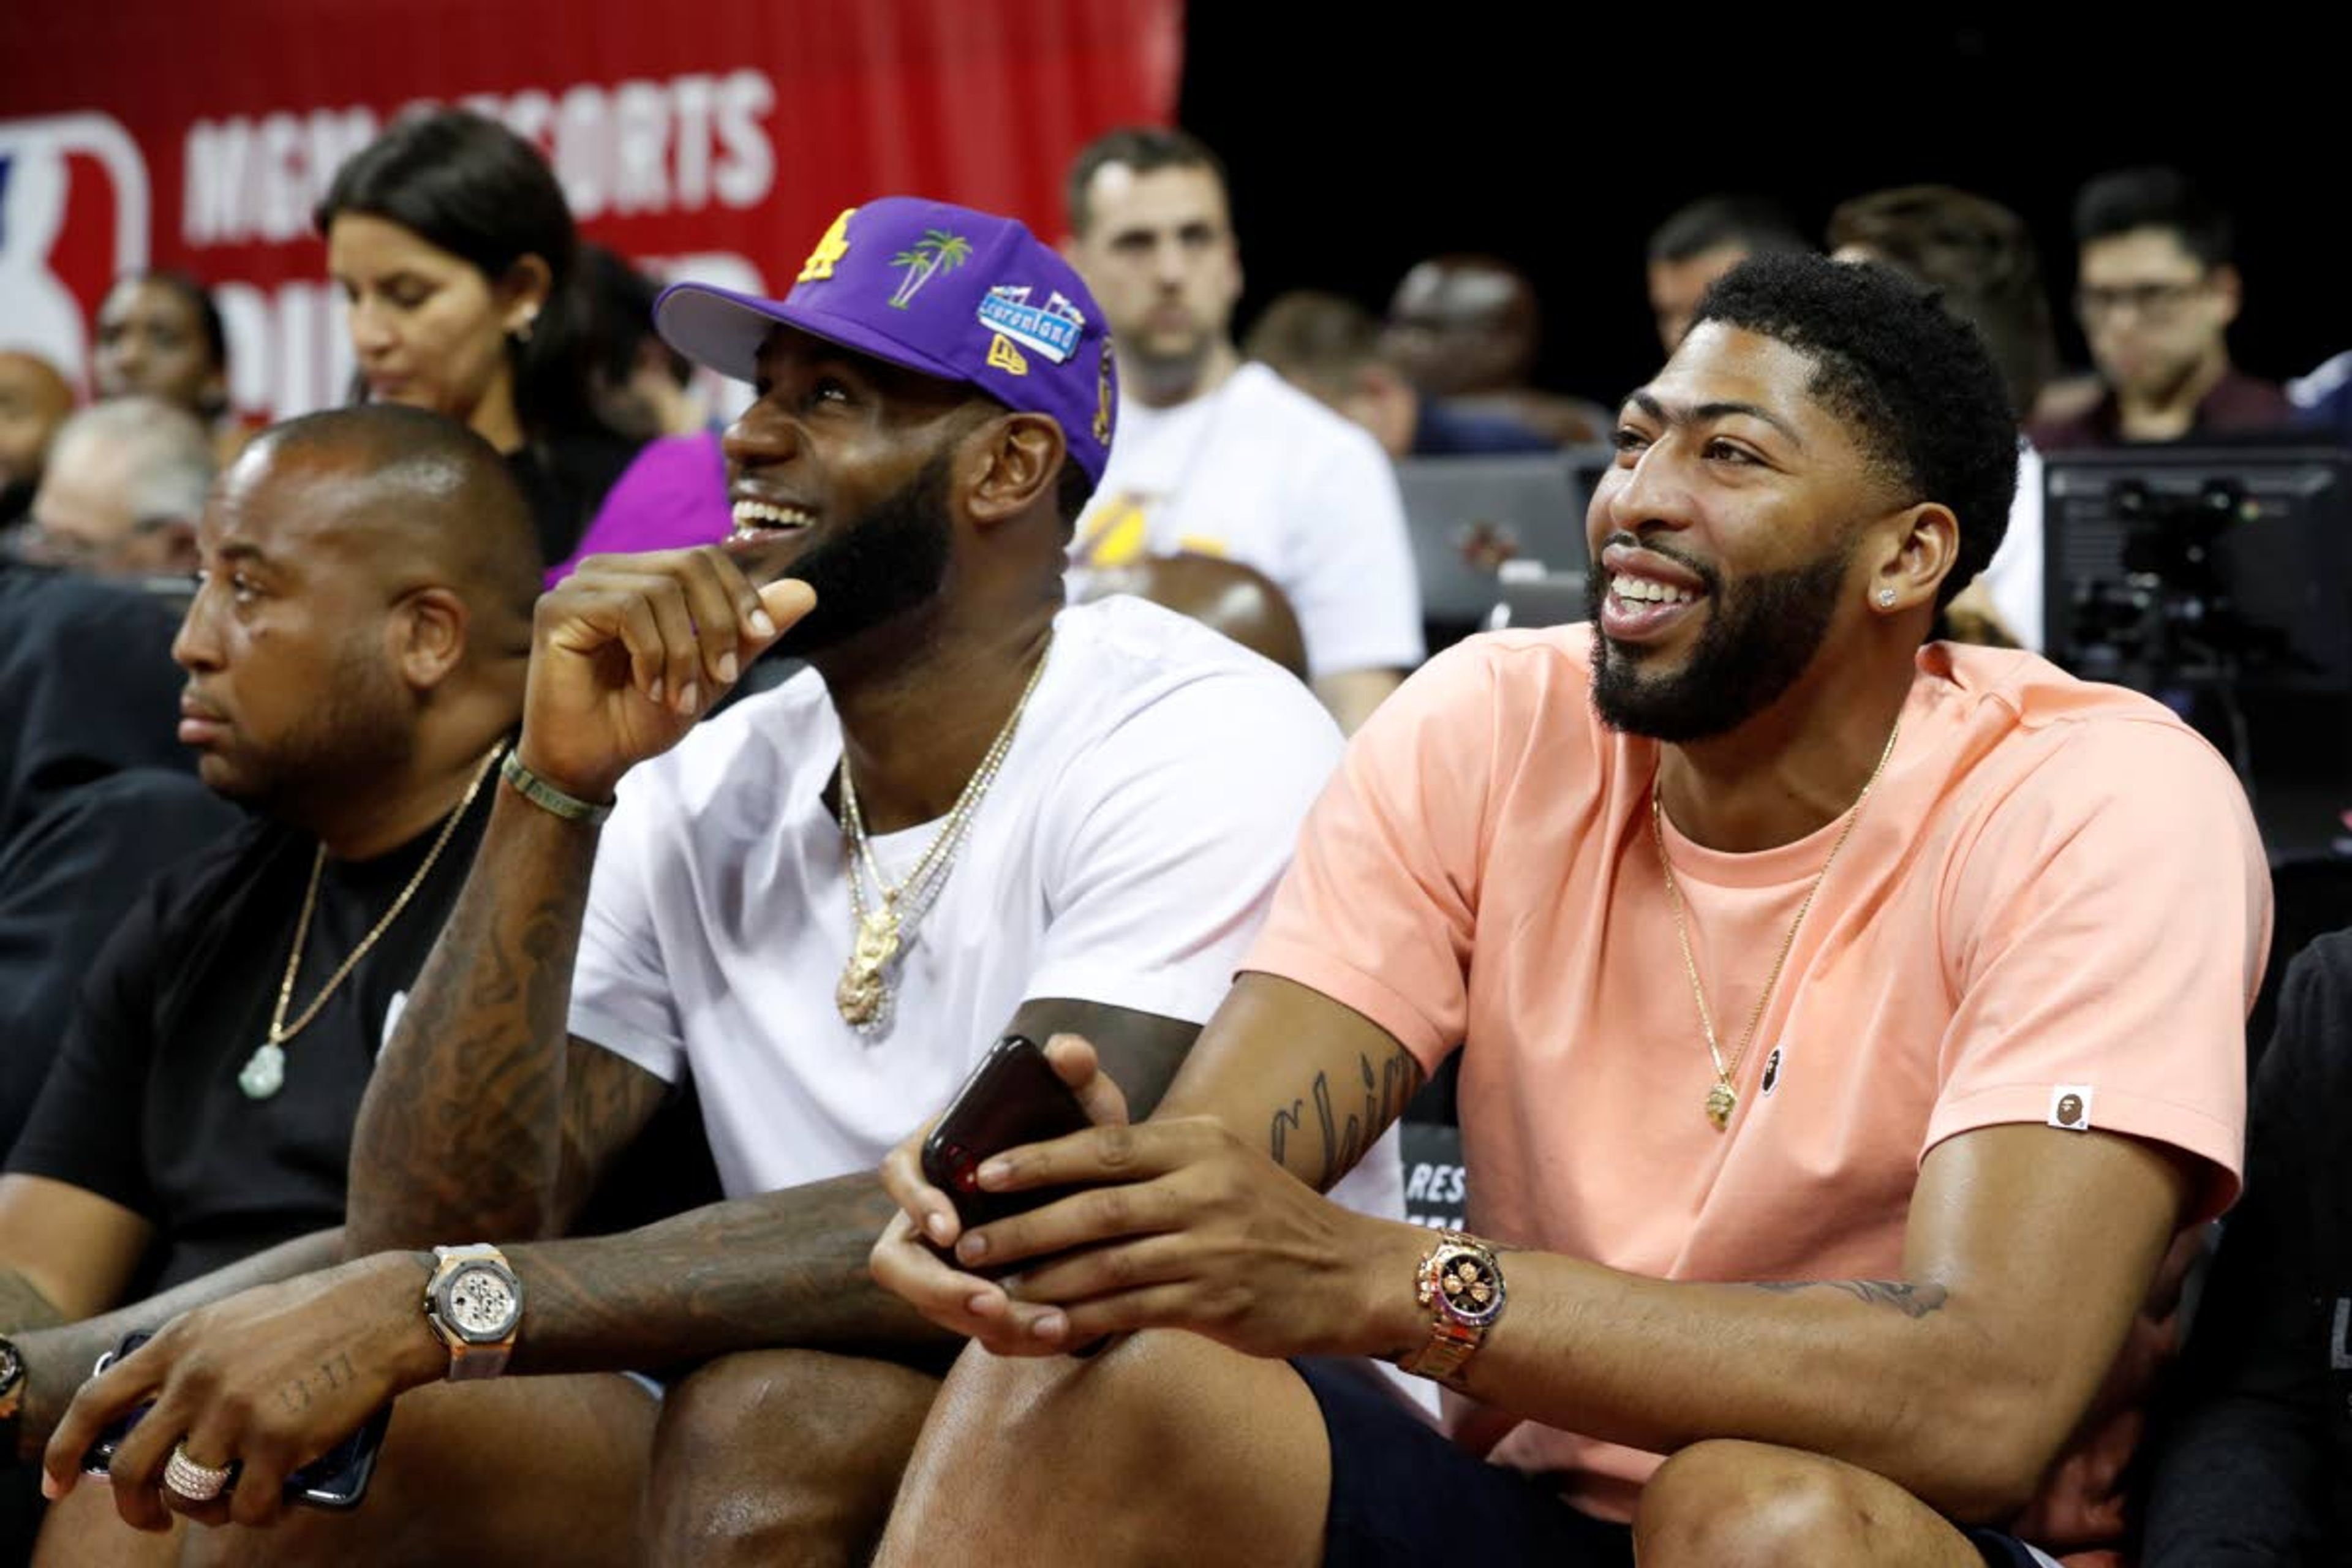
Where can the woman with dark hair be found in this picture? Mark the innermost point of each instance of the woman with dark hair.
(159, 334)
(455, 252)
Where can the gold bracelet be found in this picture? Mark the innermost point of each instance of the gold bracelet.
(548, 798)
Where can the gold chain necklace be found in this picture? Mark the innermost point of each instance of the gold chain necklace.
(264, 1073)
(863, 996)
(1722, 1100)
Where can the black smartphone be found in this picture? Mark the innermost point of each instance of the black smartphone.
(336, 1479)
(1013, 1096)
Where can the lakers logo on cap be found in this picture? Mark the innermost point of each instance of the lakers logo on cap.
(1003, 356)
(829, 250)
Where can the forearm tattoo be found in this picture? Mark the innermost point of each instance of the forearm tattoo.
(787, 1267)
(462, 1128)
(1348, 1120)
(1911, 1300)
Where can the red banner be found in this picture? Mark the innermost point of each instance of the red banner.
(714, 138)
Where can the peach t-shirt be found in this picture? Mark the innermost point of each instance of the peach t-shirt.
(2054, 908)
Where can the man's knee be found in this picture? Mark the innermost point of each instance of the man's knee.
(1097, 1411)
(1747, 1505)
(781, 1455)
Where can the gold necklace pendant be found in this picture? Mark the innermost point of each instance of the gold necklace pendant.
(1722, 1100)
(864, 995)
(264, 1073)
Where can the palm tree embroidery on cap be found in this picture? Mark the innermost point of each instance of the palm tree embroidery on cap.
(936, 251)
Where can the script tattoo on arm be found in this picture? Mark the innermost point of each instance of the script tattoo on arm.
(1911, 1300)
(1348, 1119)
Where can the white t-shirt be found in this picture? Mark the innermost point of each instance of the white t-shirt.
(1261, 473)
(2013, 578)
(1126, 855)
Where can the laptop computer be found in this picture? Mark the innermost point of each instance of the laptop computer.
(1467, 516)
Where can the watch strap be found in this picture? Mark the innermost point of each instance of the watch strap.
(469, 1360)
(1453, 1340)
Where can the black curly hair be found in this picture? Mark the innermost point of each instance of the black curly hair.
(1928, 405)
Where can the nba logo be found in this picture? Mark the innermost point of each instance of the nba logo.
(74, 217)
(1771, 1072)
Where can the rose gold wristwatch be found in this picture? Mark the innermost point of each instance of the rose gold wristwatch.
(1462, 1285)
(474, 1303)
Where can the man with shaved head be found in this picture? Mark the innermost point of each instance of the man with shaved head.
(354, 661)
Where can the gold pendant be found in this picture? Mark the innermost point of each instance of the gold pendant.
(862, 996)
(1721, 1101)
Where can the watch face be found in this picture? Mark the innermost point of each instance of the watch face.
(12, 1368)
(1471, 1287)
(480, 1303)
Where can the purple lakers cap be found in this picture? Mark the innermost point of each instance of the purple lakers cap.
(941, 289)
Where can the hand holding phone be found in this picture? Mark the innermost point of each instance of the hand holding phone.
(1012, 1097)
(337, 1479)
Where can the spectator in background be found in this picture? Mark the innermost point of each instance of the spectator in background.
(160, 335)
(641, 382)
(125, 487)
(1702, 241)
(451, 241)
(34, 401)
(675, 493)
(1217, 457)
(1330, 348)
(96, 794)
(1981, 259)
(2156, 286)
(1465, 330)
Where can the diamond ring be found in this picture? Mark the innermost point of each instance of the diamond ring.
(195, 1482)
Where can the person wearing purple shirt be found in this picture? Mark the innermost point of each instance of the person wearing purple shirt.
(673, 495)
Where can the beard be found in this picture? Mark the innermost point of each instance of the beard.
(1758, 639)
(358, 733)
(891, 560)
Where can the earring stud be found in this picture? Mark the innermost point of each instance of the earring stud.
(1886, 598)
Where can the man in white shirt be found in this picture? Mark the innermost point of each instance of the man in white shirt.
(1219, 457)
(978, 809)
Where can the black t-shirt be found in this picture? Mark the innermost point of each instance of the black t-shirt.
(143, 1106)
